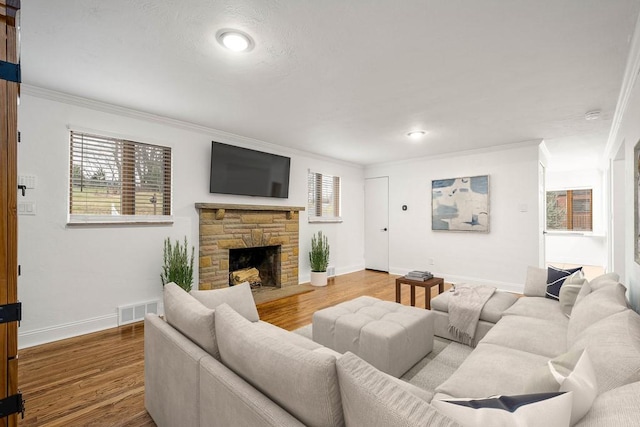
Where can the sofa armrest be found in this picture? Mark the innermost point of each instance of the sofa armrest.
(226, 400)
(171, 374)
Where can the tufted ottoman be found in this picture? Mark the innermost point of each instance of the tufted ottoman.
(391, 336)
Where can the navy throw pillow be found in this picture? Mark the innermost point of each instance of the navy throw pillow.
(555, 279)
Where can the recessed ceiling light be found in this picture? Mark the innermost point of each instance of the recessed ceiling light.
(235, 40)
(416, 134)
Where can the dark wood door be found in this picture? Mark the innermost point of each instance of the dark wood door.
(8, 203)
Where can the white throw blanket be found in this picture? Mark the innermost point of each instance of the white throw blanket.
(465, 305)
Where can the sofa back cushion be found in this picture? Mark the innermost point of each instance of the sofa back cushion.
(302, 381)
(372, 398)
(239, 297)
(614, 349)
(190, 317)
(617, 407)
(569, 292)
(596, 306)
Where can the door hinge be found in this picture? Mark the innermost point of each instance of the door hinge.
(11, 312)
(12, 405)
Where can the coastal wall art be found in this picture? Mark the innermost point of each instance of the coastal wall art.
(460, 204)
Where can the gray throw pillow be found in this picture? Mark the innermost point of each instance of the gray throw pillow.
(190, 317)
(536, 282)
(239, 297)
(570, 290)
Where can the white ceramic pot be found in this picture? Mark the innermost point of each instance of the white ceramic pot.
(319, 278)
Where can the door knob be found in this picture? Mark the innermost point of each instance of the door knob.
(383, 229)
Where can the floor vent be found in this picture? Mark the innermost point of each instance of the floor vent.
(331, 271)
(135, 313)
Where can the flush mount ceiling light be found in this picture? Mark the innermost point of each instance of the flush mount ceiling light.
(592, 115)
(416, 134)
(235, 40)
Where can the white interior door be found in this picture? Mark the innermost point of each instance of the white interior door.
(376, 224)
(542, 215)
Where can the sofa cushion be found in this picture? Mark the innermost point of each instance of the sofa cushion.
(505, 377)
(594, 307)
(537, 336)
(190, 317)
(303, 382)
(372, 398)
(616, 408)
(614, 349)
(239, 297)
(535, 284)
(508, 411)
(538, 308)
(492, 310)
(555, 279)
(571, 371)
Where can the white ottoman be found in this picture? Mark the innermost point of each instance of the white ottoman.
(390, 336)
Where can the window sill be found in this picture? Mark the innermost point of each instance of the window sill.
(325, 220)
(118, 220)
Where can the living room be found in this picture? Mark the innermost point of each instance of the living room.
(74, 276)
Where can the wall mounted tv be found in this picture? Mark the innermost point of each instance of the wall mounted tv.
(240, 171)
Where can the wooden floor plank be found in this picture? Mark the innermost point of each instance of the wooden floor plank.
(98, 379)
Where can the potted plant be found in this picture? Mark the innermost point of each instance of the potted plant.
(178, 267)
(319, 259)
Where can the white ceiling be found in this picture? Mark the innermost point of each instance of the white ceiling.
(348, 79)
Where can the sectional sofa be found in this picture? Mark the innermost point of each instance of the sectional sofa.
(212, 362)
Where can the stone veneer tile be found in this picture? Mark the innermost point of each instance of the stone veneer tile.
(240, 228)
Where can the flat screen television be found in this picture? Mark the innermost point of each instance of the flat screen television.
(241, 171)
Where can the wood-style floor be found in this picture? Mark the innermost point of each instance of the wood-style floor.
(98, 379)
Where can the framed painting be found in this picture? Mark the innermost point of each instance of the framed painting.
(460, 204)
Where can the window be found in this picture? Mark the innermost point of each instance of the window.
(324, 197)
(569, 210)
(115, 180)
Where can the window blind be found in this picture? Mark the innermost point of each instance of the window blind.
(111, 178)
(324, 197)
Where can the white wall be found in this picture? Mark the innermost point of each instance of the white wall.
(73, 278)
(500, 257)
(629, 135)
(588, 248)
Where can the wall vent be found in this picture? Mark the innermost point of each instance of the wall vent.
(331, 271)
(135, 312)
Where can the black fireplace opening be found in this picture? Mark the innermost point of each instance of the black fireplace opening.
(264, 259)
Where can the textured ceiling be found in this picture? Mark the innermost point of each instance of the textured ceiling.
(347, 79)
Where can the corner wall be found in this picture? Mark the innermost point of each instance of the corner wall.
(499, 257)
(74, 278)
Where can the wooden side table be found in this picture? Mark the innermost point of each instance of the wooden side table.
(427, 285)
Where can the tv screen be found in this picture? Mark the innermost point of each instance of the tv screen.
(240, 171)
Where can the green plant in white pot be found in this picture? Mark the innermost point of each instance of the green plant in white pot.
(319, 259)
(178, 266)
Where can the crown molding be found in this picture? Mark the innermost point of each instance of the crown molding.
(215, 134)
(631, 72)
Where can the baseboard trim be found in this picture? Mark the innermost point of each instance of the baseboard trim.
(306, 277)
(67, 330)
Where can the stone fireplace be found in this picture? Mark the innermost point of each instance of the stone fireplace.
(224, 228)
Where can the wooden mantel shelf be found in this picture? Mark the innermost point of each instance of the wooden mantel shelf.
(220, 208)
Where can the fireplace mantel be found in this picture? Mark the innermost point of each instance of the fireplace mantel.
(230, 226)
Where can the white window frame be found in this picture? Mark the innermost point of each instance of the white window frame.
(74, 219)
(317, 189)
